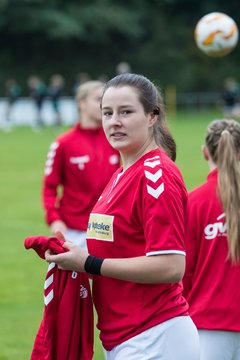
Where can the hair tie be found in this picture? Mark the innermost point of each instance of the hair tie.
(156, 110)
(224, 132)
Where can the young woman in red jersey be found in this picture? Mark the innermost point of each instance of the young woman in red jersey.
(136, 233)
(211, 282)
(80, 162)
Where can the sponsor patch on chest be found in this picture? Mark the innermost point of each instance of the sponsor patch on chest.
(100, 227)
(219, 228)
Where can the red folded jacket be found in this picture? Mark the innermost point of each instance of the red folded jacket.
(41, 243)
(66, 330)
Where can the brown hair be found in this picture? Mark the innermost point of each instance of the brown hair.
(223, 143)
(152, 102)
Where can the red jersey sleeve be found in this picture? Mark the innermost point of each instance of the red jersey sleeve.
(51, 181)
(164, 201)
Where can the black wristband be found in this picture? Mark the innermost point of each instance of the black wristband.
(93, 265)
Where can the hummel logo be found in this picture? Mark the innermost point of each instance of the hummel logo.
(48, 282)
(153, 177)
(155, 192)
(48, 298)
(152, 164)
(50, 158)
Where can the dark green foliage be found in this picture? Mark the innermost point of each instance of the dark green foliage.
(72, 36)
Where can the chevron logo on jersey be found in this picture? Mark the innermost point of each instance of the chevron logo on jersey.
(154, 176)
(48, 285)
(50, 158)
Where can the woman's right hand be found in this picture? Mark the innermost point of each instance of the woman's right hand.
(74, 259)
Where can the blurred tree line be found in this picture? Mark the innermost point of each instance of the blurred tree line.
(72, 36)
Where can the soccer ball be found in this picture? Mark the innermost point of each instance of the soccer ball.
(216, 34)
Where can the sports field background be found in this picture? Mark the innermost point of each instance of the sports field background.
(22, 273)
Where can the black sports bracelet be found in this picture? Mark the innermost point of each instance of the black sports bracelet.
(93, 265)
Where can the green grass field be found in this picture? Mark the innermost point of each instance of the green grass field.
(22, 273)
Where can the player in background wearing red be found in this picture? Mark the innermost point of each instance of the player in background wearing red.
(211, 282)
(136, 233)
(79, 164)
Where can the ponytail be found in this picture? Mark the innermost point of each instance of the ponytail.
(223, 143)
(164, 139)
(161, 131)
(229, 190)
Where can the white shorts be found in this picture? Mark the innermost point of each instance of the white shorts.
(175, 339)
(219, 345)
(77, 237)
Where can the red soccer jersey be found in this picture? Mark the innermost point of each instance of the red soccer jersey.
(211, 282)
(82, 162)
(66, 330)
(141, 212)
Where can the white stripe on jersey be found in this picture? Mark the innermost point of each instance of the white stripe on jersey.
(48, 281)
(51, 266)
(152, 164)
(48, 298)
(153, 158)
(165, 252)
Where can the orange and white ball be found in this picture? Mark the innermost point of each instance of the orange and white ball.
(216, 34)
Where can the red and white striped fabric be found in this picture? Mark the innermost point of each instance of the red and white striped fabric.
(66, 330)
